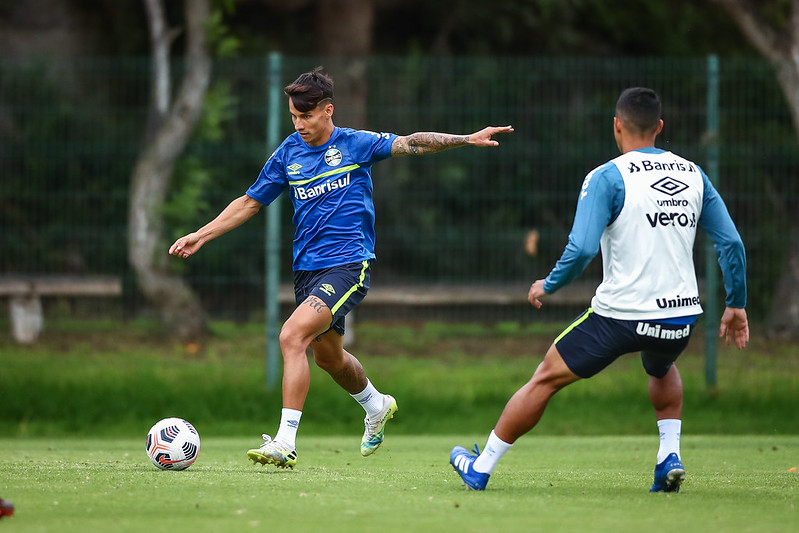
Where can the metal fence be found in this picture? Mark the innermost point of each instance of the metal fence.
(463, 219)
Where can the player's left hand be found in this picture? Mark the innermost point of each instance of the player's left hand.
(734, 324)
(535, 293)
(483, 137)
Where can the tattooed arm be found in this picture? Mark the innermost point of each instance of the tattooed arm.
(431, 142)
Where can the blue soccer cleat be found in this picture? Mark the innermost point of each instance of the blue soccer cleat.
(669, 475)
(462, 461)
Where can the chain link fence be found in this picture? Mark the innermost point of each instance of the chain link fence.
(465, 221)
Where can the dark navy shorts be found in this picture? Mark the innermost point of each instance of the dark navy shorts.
(592, 342)
(340, 287)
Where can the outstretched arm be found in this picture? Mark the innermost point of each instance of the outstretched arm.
(234, 215)
(432, 142)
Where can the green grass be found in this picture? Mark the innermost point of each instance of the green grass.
(111, 379)
(545, 483)
(75, 408)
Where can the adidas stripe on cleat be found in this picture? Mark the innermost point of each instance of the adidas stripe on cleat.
(463, 463)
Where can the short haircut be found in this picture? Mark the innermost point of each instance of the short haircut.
(309, 89)
(639, 110)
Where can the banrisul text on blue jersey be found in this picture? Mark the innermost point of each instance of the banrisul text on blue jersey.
(304, 193)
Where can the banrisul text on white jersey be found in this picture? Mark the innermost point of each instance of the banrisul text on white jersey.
(674, 166)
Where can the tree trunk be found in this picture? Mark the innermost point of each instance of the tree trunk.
(784, 316)
(781, 48)
(168, 131)
(344, 30)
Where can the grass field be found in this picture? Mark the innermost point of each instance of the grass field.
(736, 484)
(76, 406)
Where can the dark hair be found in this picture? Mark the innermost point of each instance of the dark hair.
(639, 110)
(309, 89)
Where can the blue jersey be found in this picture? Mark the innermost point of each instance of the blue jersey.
(331, 190)
(604, 197)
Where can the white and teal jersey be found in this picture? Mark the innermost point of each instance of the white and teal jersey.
(331, 189)
(643, 209)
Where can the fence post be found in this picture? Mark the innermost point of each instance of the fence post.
(711, 263)
(272, 243)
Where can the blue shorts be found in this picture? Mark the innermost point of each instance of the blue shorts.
(340, 287)
(592, 342)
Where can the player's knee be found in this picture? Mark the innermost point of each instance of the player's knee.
(292, 339)
(553, 373)
(549, 380)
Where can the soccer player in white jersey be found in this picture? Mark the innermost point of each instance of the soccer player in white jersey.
(327, 173)
(642, 210)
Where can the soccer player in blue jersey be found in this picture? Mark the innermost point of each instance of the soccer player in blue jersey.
(326, 171)
(642, 210)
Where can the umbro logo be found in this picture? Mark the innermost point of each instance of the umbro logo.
(669, 186)
(294, 168)
(363, 401)
(328, 289)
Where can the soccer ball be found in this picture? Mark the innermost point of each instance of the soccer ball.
(173, 444)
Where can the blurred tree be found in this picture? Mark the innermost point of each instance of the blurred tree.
(341, 30)
(772, 27)
(169, 126)
(345, 29)
(498, 28)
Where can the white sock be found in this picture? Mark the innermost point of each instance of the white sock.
(669, 437)
(494, 449)
(289, 423)
(370, 399)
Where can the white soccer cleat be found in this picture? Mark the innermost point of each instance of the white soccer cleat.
(273, 452)
(375, 426)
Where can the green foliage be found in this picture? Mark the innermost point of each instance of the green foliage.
(62, 192)
(219, 108)
(193, 175)
(561, 27)
(225, 43)
(191, 179)
(71, 132)
(111, 379)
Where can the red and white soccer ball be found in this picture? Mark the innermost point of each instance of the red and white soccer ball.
(173, 444)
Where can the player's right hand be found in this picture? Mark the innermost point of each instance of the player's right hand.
(186, 245)
(535, 293)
